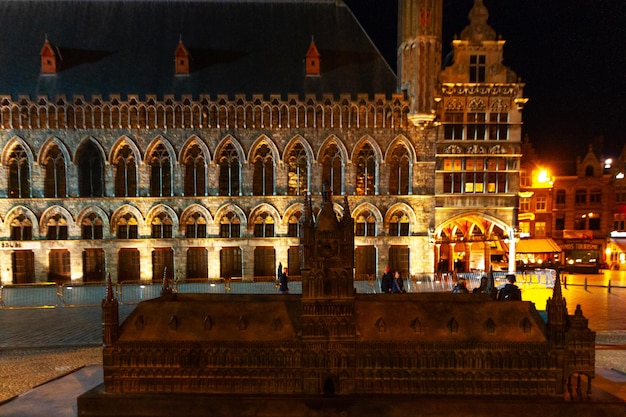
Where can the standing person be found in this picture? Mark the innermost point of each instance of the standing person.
(397, 286)
(510, 292)
(386, 280)
(283, 279)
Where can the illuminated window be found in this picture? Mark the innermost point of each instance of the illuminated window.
(540, 203)
(524, 204)
(477, 68)
(540, 229)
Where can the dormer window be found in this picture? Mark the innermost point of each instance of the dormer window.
(478, 68)
(50, 57)
(181, 59)
(312, 60)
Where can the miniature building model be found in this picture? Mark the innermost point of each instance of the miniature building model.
(344, 353)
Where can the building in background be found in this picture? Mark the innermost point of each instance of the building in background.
(174, 141)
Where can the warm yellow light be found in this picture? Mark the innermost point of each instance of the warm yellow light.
(543, 176)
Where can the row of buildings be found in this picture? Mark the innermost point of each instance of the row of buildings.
(576, 218)
(177, 148)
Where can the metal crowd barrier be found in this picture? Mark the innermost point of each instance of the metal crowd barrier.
(29, 296)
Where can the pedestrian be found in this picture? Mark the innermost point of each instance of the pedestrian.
(397, 285)
(510, 292)
(386, 281)
(460, 287)
(283, 279)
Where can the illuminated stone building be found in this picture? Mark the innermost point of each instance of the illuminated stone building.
(151, 139)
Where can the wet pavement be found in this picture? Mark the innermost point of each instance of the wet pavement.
(63, 345)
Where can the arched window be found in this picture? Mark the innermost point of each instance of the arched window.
(127, 227)
(365, 171)
(54, 174)
(293, 229)
(90, 171)
(264, 225)
(160, 172)
(230, 169)
(125, 173)
(399, 174)
(332, 169)
(161, 226)
(399, 224)
(21, 228)
(298, 164)
(195, 226)
(230, 226)
(195, 172)
(56, 228)
(263, 176)
(91, 227)
(365, 224)
(19, 173)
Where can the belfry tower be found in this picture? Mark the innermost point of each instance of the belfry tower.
(328, 322)
(419, 55)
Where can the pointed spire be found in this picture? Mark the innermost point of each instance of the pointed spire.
(181, 58)
(50, 57)
(312, 60)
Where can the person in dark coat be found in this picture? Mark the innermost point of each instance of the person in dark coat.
(397, 285)
(386, 280)
(510, 292)
(283, 280)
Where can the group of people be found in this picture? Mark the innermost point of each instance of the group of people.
(391, 283)
(510, 291)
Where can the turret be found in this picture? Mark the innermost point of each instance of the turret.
(110, 316)
(556, 306)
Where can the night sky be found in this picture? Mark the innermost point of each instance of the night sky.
(571, 55)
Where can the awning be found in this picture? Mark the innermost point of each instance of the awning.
(537, 246)
(620, 243)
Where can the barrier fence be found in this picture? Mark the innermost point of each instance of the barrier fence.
(51, 295)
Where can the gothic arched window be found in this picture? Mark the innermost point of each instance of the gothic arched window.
(332, 169)
(21, 228)
(365, 171)
(161, 226)
(298, 176)
(399, 224)
(399, 173)
(264, 225)
(90, 171)
(263, 176)
(19, 173)
(127, 227)
(54, 177)
(365, 224)
(125, 173)
(160, 172)
(56, 228)
(195, 172)
(195, 226)
(230, 226)
(230, 169)
(91, 227)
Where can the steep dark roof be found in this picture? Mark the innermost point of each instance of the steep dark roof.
(238, 47)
